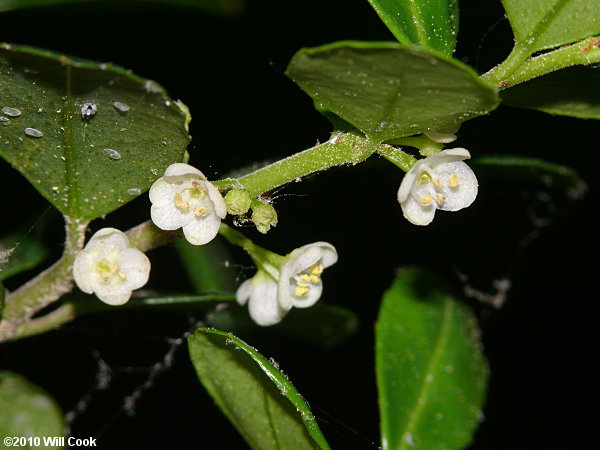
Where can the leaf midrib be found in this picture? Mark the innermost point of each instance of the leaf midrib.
(67, 148)
(541, 27)
(418, 22)
(424, 391)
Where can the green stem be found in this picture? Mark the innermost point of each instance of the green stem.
(263, 258)
(50, 285)
(498, 75)
(72, 309)
(523, 49)
(341, 149)
(397, 156)
(47, 286)
(147, 236)
(582, 53)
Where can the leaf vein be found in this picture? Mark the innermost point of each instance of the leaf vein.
(424, 391)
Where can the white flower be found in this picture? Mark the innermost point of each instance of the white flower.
(260, 292)
(298, 285)
(300, 275)
(109, 268)
(183, 198)
(441, 181)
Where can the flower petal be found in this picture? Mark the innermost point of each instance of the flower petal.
(406, 186)
(108, 239)
(443, 135)
(182, 169)
(263, 306)
(162, 192)
(136, 267)
(202, 231)
(244, 292)
(168, 217)
(311, 297)
(217, 200)
(464, 193)
(417, 213)
(113, 297)
(83, 274)
(450, 155)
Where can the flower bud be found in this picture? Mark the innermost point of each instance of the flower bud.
(264, 217)
(238, 202)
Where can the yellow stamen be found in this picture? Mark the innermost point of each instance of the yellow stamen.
(425, 177)
(201, 212)
(304, 280)
(426, 199)
(440, 198)
(317, 269)
(122, 276)
(437, 183)
(301, 289)
(106, 268)
(453, 180)
(180, 203)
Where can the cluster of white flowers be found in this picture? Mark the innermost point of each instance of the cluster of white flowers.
(297, 284)
(184, 198)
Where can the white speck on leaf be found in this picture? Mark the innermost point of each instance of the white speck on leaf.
(12, 112)
(33, 132)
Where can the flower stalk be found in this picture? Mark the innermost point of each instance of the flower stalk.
(47, 286)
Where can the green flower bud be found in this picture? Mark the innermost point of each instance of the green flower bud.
(238, 202)
(264, 217)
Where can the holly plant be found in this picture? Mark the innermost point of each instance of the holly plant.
(103, 146)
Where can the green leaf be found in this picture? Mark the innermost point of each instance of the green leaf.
(254, 395)
(338, 123)
(569, 92)
(73, 164)
(19, 253)
(545, 24)
(206, 267)
(532, 171)
(431, 374)
(431, 23)
(387, 90)
(221, 7)
(27, 411)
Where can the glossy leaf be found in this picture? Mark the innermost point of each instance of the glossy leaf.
(27, 411)
(205, 266)
(19, 253)
(431, 374)
(86, 166)
(569, 92)
(431, 23)
(338, 123)
(270, 414)
(222, 7)
(387, 90)
(545, 24)
(532, 171)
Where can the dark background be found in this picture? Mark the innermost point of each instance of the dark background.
(541, 345)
